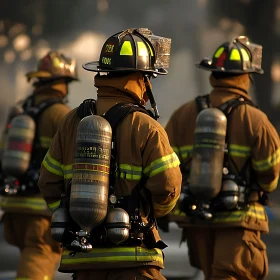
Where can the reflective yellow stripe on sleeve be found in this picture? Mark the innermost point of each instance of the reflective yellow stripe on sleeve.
(67, 171)
(45, 142)
(161, 165)
(54, 205)
(52, 165)
(270, 187)
(270, 162)
(33, 203)
(115, 254)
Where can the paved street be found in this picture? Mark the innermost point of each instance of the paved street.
(176, 258)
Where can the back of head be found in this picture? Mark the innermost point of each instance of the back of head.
(237, 57)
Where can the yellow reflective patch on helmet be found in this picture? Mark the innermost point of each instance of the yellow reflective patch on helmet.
(219, 52)
(235, 55)
(151, 50)
(245, 55)
(126, 48)
(142, 49)
(56, 62)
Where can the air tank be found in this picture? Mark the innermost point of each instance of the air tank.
(208, 154)
(18, 148)
(230, 194)
(117, 225)
(59, 223)
(90, 182)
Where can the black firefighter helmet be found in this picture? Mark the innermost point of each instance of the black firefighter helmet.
(133, 50)
(54, 65)
(238, 56)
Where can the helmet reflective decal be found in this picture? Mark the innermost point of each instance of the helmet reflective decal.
(219, 52)
(235, 55)
(126, 48)
(56, 62)
(142, 49)
(245, 55)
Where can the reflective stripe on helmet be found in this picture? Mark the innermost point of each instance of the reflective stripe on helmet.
(126, 48)
(162, 164)
(116, 254)
(23, 203)
(219, 52)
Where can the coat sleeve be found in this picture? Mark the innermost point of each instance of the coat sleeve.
(266, 156)
(51, 180)
(170, 129)
(161, 167)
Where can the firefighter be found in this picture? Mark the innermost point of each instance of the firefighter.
(146, 169)
(229, 160)
(26, 215)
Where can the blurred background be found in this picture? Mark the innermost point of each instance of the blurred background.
(29, 28)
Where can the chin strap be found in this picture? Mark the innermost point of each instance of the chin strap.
(151, 97)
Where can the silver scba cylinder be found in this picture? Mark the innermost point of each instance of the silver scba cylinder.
(90, 182)
(18, 148)
(117, 225)
(208, 154)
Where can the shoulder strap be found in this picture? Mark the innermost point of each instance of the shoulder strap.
(36, 111)
(202, 102)
(87, 108)
(118, 112)
(229, 106)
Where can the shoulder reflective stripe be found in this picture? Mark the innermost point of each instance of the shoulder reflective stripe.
(219, 52)
(53, 206)
(24, 202)
(262, 165)
(162, 164)
(45, 142)
(239, 151)
(272, 186)
(234, 55)
(52, 165)
(67, 171)
(142, 49)
(126, 48)
(257, 212)
(175, 149)
(114, 255)
(130, 172)
(185, 151)
(245, 55)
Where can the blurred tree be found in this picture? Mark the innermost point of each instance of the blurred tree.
(258, 17)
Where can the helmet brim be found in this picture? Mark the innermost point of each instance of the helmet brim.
(47, 75)
(95, 67)
(208, 67)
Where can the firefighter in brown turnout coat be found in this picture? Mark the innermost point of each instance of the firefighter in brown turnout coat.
(28, 135)
(107, 227)
(229, 160)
